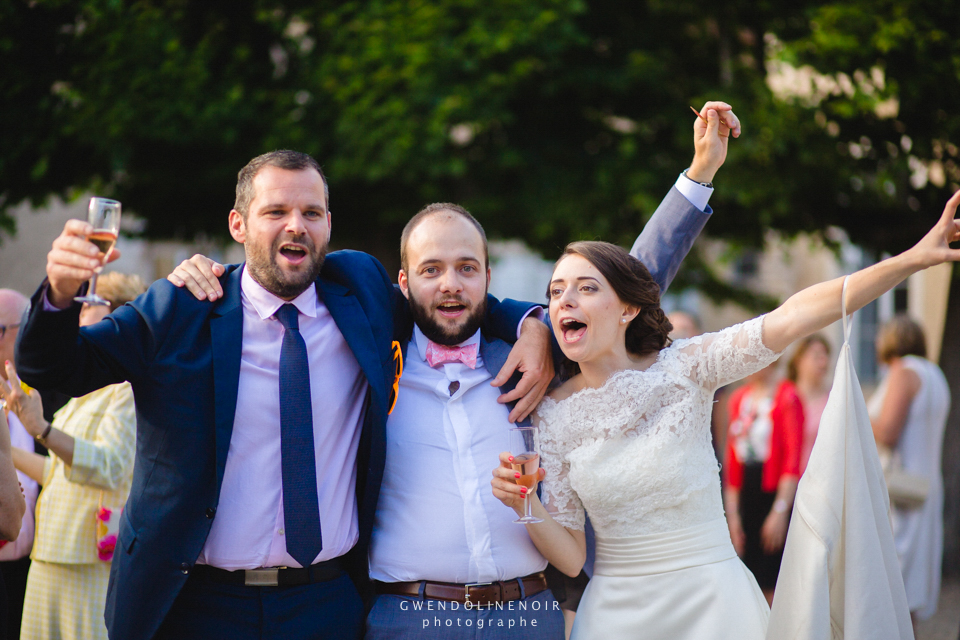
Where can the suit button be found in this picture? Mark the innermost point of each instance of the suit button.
(184, 568)
(211, 511)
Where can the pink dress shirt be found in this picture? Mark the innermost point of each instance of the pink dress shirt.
(248, 530)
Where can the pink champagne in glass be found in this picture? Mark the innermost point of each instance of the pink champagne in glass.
(103, 215)
(525, 448)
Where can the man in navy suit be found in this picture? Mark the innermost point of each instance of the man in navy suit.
(284, 381)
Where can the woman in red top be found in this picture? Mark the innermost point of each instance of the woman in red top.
(762, 468)
(809, 369)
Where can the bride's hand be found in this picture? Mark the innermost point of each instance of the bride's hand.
(505, 487)
(934, 248)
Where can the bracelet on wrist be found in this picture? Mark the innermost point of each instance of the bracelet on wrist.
(780, 506)
(708, 185)
(42, 438)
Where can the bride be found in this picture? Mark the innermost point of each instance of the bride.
(627, 439)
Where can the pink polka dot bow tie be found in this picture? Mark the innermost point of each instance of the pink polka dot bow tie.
(441, 354)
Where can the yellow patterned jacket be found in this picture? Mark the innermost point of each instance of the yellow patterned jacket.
(103, 424)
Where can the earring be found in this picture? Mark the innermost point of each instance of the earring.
(622, 320)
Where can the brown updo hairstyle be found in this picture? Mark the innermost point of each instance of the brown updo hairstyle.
(802, 347)
(900, 336)
(631, 281)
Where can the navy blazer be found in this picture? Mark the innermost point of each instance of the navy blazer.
(182, 357)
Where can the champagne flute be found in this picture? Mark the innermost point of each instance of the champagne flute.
(525, 449)
(103, 215)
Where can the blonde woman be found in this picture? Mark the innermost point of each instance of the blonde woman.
(909, 415)
(91, 442)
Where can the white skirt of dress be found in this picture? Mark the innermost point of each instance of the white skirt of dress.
(687, 584)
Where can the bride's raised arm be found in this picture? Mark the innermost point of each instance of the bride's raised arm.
(818, 306)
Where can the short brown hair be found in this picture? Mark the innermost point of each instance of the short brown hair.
(633, 284)
(119, 288)
(282, 159)
(900, 336)
(802, 346)
(439, 207)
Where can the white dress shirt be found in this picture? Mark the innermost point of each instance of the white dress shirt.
(247, 532)
(437, 518)
(21, 547)
(696, 193)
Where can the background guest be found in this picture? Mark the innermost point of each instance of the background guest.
(762, 469)
(809, 369)
(909, 414)
(15, 556)
(12, 508)
(91, 442)
(685, 325)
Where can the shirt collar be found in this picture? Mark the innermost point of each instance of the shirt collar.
(266, 304)
(422, 342)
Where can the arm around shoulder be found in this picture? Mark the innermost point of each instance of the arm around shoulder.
(668, 236)
(53, 352)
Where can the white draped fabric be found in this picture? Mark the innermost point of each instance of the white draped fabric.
(840, 577)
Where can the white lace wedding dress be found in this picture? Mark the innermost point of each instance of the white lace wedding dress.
(636, 453)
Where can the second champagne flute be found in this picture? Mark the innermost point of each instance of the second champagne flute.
(525, 449)
(104, 216)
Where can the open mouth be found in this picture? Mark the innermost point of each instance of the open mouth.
(451, 309)
(572, 330)
(293, 253)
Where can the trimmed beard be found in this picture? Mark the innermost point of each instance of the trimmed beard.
(440, 334)
(271, 277)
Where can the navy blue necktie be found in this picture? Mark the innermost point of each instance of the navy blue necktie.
(301, 511)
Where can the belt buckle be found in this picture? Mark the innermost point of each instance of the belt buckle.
(261, 577)
(466, 589)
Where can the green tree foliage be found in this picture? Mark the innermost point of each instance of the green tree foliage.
(550, 119)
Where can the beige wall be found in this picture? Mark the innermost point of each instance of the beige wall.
(927, 294)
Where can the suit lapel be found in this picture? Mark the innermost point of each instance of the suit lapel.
(355, 327)
(494, 354)
(226, 336)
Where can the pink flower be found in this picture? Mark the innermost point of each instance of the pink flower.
(104, 514)
(106, 546)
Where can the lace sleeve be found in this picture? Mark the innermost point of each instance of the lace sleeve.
(715, 359)
(558, 497)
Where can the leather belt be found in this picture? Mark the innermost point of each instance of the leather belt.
(273, 576)
(476, 594)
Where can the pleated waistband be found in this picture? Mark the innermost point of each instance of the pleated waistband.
(663, 552)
